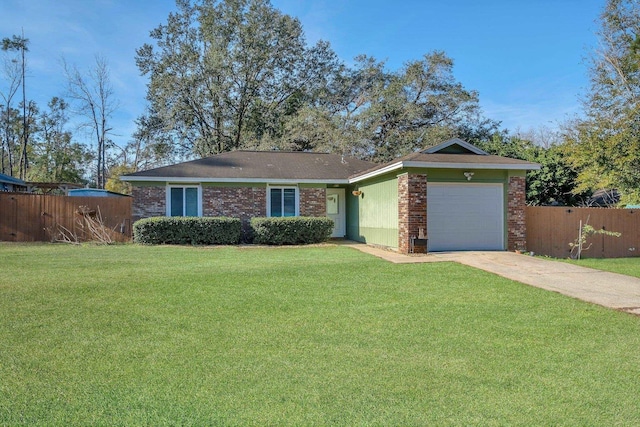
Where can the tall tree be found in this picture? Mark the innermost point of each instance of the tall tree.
(148, 148)
(13, 76)
(95, 100)
(555, 182)
(376, 114)
(419, 106)
(605, 146)
(56, 157)
(20, 44)
(225, 74)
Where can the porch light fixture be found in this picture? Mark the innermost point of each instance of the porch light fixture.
(468, 175)
(356, 192)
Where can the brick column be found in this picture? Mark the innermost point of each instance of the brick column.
(412, 209)
(516, 224)
(313, 202)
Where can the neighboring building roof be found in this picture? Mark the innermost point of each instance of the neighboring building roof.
(307, 167)
(94, 192)
(604, 198)
(11, 180)
(252, 166)
(47, 187)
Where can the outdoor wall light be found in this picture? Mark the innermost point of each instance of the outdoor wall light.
(356, 193)
(468, 175)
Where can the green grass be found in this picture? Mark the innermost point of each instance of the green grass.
(628, 266)
(130, 335)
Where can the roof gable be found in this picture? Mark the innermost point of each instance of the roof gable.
(455, 146)
(452, 154)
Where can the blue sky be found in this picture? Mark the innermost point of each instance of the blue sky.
(525, 58)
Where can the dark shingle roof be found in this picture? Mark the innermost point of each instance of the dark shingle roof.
(262, 165)
(298, 166)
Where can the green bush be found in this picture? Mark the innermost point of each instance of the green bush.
(291, 230)
(187, 231)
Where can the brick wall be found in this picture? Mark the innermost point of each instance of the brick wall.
(148, 201)
(412, 209)
(516, 224)
(236, 202)
(313, 202)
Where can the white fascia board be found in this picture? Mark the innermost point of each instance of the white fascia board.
(499, 166)
(439, 165)
(390, 168)
(174, 179)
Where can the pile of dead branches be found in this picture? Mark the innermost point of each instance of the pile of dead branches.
(89, 227)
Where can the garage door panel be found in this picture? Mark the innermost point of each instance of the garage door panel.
(465, 217)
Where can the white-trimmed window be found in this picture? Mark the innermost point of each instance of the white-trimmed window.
(283, 201)
(184, 200)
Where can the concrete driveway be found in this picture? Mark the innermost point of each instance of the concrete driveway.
(599, 287)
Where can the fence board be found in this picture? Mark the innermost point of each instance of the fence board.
(551, 229)
(36, 217)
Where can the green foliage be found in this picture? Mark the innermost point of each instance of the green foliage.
(291, 230)
(605, 146)
(15, 43)
(56, 157)
(114, 183)
(554, 183)
(607, 154)
(233, 74)
(419, 106)
(187, 231)
(223, 74)
(580, 244)
(314, 336)
(370, 112)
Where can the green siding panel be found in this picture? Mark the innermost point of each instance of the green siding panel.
(373, 216)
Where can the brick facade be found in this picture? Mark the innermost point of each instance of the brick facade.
(313, 202)
(516, 203)
(412, 209)
(148, 201)
(236, 202)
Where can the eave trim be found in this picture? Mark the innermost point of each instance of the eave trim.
(187, 180)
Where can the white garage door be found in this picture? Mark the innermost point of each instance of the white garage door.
(465, 217)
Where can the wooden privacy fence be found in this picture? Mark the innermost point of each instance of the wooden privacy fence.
(39, 218)
(551, 229)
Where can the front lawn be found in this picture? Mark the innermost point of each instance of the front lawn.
(628, 266)
(130, 335)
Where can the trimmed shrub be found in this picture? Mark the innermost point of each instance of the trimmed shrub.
(187, 231)
(291, 230)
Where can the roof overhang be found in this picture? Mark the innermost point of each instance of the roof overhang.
(191, 180)
(357, 178)
(441, 165)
